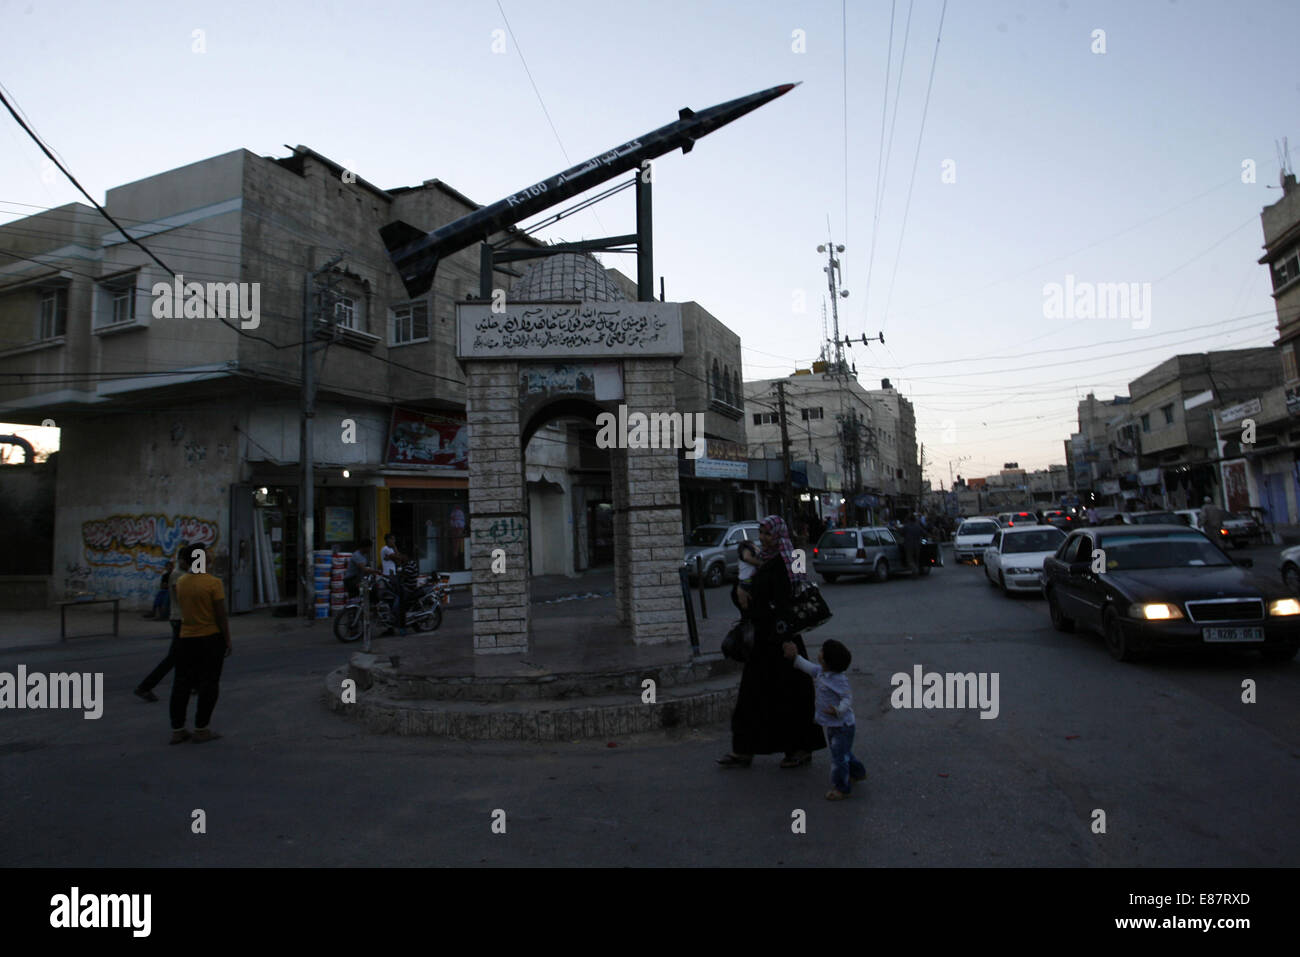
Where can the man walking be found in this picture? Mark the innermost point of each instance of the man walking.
(1212, 520)
(912, 534)
(201, 649)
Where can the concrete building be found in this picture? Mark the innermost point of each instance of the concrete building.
(1265, 470)
(1166, 443)
(895, 440)
(1092, 450)
(821, 411)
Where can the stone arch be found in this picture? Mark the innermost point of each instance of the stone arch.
(540, 361)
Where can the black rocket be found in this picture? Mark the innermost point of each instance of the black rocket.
(416, 253)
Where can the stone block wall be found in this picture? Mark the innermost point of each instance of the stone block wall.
(498, 509)
(648, 510)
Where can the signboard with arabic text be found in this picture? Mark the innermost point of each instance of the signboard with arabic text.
(541, 330)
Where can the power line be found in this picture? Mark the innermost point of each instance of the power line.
(925, 110)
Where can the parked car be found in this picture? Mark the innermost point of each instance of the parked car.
(1166, 587)
(873, 551)
(1059, 518)
(1014, 560)
(973, 536)
(1242, 529)
(1026, 517)
(717, 547)
(1290, 569)
(1235, 530)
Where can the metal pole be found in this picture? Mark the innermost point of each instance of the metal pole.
(307, 491)
(645, 247)
(787, 486)
(699, 578)
(485, 266)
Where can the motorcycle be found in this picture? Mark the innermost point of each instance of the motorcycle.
(376, 594)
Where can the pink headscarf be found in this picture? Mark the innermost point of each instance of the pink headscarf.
(775, 526)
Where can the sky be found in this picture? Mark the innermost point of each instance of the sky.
(1012, 146)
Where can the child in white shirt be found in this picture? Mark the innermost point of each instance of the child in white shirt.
(833, 710)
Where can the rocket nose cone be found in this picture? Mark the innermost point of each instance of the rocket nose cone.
(785, 88)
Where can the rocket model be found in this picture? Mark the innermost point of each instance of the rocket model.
(416, 253)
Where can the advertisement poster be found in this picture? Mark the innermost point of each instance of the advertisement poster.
(338, 523)
(432, 439)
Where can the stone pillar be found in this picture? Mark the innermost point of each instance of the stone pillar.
(498, 509)
(622, 554)
(653, 513)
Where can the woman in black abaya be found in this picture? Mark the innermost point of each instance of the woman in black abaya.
(774, 709)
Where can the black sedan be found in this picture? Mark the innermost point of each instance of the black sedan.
(1166, 587)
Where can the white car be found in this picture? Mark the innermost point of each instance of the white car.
(1014, 561)
(1290, 568)
(973, 536)
(1021, 517)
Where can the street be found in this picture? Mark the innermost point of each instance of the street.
(1185, 772)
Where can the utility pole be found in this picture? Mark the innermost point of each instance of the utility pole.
(787, 490)
(312, 307)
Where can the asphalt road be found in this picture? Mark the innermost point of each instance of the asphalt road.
(1185, 772)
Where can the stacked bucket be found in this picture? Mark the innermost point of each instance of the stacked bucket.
(322, 564)
(338, 594)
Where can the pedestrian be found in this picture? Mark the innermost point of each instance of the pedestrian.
(912, 535)
(406, 586)
(145, 688)
(201, 649)
(1212, 520)
(162, 601)
(833, 710)
(387, 555)
(358, 565)
(774, 704)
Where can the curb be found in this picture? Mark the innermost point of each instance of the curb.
(531, 719)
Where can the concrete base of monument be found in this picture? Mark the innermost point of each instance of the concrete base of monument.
(545, 707)
(582, 676)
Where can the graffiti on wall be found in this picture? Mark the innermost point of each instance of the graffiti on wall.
(127, 554)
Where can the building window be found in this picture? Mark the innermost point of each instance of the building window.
(1146, 423)
(735, 387)
(728, 396)
(117, 301)
(1286, 269)
(807, 414)
(345, 312)
(1288, 363)
(717, 380)
(767, 418)
(410, 323)
(54, 313)
(1168, 410)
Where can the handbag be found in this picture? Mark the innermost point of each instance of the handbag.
(739, 642)
(808, 610)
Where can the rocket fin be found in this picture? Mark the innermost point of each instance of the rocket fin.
(398, 234)
(685, 113)
(690, 145)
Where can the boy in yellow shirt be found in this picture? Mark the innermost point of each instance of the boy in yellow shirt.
(201, 649)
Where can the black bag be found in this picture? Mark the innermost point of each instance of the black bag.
(808, 610)
(739, 642)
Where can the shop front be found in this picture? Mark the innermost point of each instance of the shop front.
(715, 487)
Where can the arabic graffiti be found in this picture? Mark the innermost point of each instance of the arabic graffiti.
(502, 531)
(570, 327)
(142, 542)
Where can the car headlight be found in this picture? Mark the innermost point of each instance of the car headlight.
(1155, 611)
(1284, 606)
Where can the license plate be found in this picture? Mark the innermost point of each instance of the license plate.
(1233, 634)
